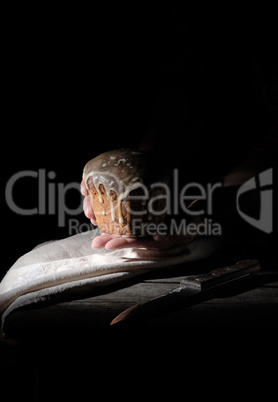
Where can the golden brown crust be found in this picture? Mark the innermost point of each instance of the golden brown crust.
(110, 186)
(102, 211)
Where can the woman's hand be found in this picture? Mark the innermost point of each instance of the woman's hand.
(156, 242)
(87, 207)
(109, 242)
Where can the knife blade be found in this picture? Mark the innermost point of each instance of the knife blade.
(192, 291)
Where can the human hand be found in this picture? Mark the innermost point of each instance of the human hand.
(87, 207)
(156, 242)
(109, 242)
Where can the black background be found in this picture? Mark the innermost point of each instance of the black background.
(78, 82)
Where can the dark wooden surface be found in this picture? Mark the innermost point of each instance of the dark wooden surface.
(245, 306)
(252, 303)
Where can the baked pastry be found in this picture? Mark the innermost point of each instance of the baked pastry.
(126, 193)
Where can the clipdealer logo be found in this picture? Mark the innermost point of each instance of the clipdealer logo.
(265, 182)
(52, 199)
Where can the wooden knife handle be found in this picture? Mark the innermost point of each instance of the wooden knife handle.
(221, 275)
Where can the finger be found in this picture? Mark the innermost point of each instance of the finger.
(100, 241)
(115, 243)
(88, 210)
(93, 221)
(163, 243)
(111, 243)
(122, 242)
(136, 242)
(83, 188)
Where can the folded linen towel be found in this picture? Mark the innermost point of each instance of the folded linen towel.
(70, 266)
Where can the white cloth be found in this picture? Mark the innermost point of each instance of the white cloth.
(70, 266)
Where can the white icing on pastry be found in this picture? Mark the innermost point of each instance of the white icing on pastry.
(122, 177)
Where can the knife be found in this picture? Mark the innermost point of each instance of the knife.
(192, 290)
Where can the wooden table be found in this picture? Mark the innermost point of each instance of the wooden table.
(251, 304)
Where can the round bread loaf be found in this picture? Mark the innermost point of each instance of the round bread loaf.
(125, 192)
